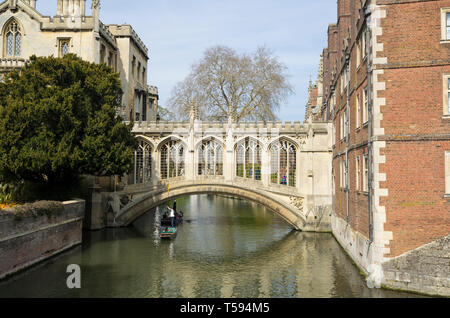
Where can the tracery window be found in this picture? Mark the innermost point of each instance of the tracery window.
(172, 159)
(248, 159)
(143, 163)
(13, 39)
(64, 45)
(210, 158)
(283, 162)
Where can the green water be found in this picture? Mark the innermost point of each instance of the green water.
(225, 248)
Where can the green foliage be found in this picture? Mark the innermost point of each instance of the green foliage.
(38, 209)
(58, 121)
(29, 191)
(5, 194)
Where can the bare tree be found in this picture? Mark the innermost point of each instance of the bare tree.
(226, 84)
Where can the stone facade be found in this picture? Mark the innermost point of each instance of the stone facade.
(386, 93)
(285, 166)
(25, 32)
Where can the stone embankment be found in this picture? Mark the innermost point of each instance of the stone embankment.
(35, 232)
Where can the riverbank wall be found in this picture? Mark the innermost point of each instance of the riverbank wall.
(424, 270)
(27, 239)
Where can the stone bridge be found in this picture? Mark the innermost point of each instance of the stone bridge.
(283, 166)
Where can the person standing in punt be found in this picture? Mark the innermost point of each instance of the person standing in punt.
(172, 216)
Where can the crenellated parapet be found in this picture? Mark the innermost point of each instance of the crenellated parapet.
(296, 128)
(126, 30)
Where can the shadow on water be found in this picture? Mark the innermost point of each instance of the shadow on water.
(231, 248)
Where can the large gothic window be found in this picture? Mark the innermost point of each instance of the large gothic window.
(210, 158)
(172, 159)
(283, 162)
(248, 159)
(143, 163)
(13, 39)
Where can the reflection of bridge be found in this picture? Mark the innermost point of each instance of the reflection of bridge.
(286, 167)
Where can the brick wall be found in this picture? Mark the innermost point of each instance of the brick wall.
(416, 133)
(410, 132)
(30, 240)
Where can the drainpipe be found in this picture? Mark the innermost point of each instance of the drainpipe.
(370, 117)
(347, 137)
(333, 192)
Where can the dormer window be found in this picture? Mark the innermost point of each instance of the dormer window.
(13, 39)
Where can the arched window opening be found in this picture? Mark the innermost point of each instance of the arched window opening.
(248, 159)
(210, 158)
(172, 159)
(13, 39)
(283, 162)
(143, 163)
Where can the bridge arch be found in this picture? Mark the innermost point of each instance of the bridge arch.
(147, 140)
(258, 140)
(284, 138)
(170, 138)
(147, 201)
(209, 138)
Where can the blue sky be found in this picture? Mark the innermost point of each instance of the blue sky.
(177, 32)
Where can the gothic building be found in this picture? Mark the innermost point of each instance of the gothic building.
(26, 32)
(315, 96)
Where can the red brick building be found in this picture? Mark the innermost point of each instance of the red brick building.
(386, 88)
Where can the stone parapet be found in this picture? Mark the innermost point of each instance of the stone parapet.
(283, 127)
(11, 63)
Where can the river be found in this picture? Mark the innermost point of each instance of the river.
(225, 248)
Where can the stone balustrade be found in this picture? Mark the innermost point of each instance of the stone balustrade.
(10, 63)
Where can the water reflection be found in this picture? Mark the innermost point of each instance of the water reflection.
(225, 248)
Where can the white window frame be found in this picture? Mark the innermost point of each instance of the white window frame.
(447, 174)
(358, 53)
(341, 128)
(345, 175)
(358, 173)
(445, 27)
(363, 45)
(366, 106)
(366, 173)
(446, 94)
(346, 123)
(358, 111)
